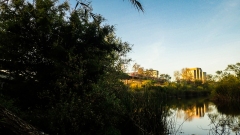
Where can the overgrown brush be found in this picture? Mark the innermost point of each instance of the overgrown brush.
(147, 112)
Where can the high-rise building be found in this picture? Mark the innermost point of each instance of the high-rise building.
(198, 74)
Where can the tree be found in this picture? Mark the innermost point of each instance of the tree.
(220, 75)
(135, 69)
(165, 77)
(149, 73)
(135, 3)
(187, 74)
(227, 87)
(210, 78)
(177, 76)
(12, 125)
(140, 71)
(62, 67)
(235, 69)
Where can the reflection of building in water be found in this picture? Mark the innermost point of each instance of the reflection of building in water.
(200, 110)
(196, 111)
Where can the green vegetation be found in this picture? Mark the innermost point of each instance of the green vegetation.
(61, 69)
(62, 72)
(227, 84)
(147, 113)
(224, 86)
(171, 89)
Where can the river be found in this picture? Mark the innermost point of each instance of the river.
(202, 117)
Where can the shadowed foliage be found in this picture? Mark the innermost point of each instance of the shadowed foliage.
(61, 67)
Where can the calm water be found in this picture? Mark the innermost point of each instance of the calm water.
(201, 117)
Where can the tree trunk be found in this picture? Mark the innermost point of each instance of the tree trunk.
(13, 125)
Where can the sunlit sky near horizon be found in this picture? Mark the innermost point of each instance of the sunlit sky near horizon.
(174, 34)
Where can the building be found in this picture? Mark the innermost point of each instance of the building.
(198, 74)
(155, 73)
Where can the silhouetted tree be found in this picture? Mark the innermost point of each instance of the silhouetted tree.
(63, 68)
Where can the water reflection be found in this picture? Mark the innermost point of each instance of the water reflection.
(188, 109)
(201, 117)
(196, 111)
(221, 124)
(229, 109)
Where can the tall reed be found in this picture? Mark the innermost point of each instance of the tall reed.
(147, 112)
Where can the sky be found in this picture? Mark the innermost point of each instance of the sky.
(174, 34)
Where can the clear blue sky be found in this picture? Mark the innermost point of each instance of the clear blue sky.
(174, 34)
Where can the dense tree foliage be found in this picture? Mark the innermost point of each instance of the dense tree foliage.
(227, 86)
(165, 77)
(61, 67)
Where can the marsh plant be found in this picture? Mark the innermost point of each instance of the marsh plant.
(148, 113)
(149, 109)
(224, 124)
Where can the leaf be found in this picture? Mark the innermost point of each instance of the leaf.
(76, 5)
(84, 5)
(137, 4)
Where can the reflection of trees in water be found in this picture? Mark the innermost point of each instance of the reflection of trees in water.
(227, 120)
(222, 124)
(224, 119)
(228, 108)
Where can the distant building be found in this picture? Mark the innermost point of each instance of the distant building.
(155, 73)
(198, 74)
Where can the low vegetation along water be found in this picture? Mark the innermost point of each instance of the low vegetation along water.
(199, 116)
